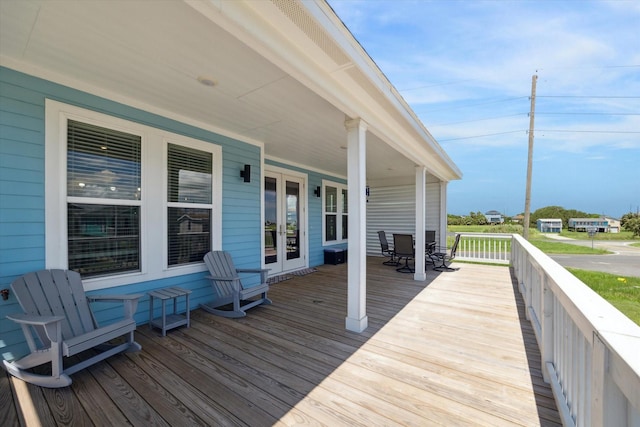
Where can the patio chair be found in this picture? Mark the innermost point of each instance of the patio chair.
(403, 248)
(57, 321)
(229, 289)
(384, 246)
(429, 244)
(442, 260)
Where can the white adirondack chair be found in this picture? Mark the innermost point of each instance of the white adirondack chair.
(57, 322)
(228, 286)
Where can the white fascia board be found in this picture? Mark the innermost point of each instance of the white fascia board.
(340, 33)
(262, 26)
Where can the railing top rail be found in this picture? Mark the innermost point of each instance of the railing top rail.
(488, 235)
(580, 300)
(593, 315)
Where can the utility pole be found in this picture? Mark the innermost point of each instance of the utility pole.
(527, 197)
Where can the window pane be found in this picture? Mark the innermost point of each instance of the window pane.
(103, 239)
(345, 201)
(102, 163)
(330, 199)
(270, 220)
(345, 231)
(189, 175)
(189, 235)
(330, 227)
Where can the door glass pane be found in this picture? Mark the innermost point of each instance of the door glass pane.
(293, 220)
(270, 221)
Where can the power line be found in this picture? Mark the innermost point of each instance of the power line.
(588, 96)
(477, 120)
(481, 136)
(592, 114)
(474, 105)
(586, 131)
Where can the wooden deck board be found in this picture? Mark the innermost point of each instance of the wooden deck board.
(454, 350)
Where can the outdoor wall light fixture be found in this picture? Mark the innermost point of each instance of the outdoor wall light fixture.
(317, 191)
(246, 173)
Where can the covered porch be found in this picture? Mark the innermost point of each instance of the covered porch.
(453, 350)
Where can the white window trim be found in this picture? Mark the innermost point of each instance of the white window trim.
(153, 211)
(340, 187)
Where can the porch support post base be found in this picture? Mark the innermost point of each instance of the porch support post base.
(357, 325)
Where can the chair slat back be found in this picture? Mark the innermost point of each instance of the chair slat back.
(55, 293)
(403, 244)
(384, 244)
(429, 236)
(454, 248)
(220, 264)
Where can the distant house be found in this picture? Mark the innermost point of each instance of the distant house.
(517, 219)
(584, 224)
(546, 225)
(494, 217)
(614, 224)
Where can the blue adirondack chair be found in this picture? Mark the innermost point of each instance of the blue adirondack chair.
(57, 322)
(228, 287)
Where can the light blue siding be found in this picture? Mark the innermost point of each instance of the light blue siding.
(22, 199)
(314, 179)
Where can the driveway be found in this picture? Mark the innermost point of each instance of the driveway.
(624, 261)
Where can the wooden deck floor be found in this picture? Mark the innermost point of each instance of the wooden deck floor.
(455, 350)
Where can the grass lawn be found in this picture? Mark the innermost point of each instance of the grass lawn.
(579, 235)
(554, 247)
(622, 292)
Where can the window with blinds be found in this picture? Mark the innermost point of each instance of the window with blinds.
(103, 199)
(335, 213)
(189, 204)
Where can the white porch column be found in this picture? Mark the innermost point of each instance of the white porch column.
(421, 217)
(357, 320)
(443, 215)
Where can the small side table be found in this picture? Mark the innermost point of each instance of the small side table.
(166, 322)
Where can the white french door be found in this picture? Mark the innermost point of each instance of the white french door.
(284, 222)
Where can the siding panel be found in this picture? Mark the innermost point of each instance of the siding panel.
(392, 209)
(22, 201)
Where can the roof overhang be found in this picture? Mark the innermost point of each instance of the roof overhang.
(287, 74)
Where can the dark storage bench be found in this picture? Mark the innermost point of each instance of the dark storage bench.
(335, 256)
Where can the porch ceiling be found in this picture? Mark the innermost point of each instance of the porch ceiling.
(151, 55)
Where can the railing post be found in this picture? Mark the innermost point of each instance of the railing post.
(598, 369)
(548, 334)
(528, 280)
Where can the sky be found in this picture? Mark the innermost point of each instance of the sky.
(466, 68)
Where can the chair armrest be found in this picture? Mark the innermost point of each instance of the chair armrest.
(264, 272)
(30, 319)
(253, 270)
(113, 298)
(130, 302)
(227, 278)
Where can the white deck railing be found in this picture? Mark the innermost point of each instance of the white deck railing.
(484, 247)
(590, 350)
